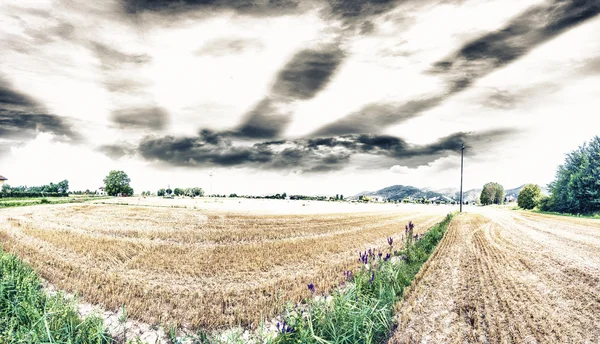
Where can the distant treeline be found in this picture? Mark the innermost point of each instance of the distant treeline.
(33, 194)
(59, 189)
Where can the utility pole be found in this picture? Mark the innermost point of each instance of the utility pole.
(462, 150)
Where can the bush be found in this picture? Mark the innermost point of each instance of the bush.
(529, 196)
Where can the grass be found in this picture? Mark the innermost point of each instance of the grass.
(200, 270)
(362, 312)
(22, 202)
(29, 315)
(583, 216)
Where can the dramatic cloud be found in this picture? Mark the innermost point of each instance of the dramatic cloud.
(475, 60)
(21, 117)
(306, 155)
(141, 118)
(307, 73)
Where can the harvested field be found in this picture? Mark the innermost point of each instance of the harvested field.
(507, 277)
(197, 268)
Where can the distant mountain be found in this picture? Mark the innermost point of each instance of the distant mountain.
(472, 195)
(400, 192)
(515, 192)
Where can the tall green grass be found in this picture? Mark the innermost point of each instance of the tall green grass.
(29, 315)
(362, 312)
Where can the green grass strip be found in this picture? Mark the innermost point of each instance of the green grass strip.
(362, 312)
(29, 315)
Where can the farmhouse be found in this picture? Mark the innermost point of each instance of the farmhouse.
(101, 191)
(2, 179)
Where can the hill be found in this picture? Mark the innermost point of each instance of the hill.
(400, 192)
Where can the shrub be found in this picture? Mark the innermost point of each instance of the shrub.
(529, 196)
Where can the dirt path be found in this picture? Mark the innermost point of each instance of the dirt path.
(507, 277)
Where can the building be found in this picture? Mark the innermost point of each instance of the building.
(101, 191)
(2, 180)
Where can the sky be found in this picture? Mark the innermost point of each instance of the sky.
(296, 96)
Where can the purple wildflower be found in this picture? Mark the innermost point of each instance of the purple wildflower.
(284, 328)
(311, 287)
(372, 277)
(390, 241)
(386, 258)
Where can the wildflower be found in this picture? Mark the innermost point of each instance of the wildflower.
(380, 254)
(311, 287)
(372, 277)
(386, 258)
(390, 241)
(284, 328)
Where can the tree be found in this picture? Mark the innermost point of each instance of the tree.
(576, 187)
(341, 197)
(492, 193)
(63, 187)
(529, 196)
(178, 192)
(160, 192)
(116, 183)
(168, 191)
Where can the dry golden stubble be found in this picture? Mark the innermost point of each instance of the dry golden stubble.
(176, 271)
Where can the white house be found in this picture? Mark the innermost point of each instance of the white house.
(101, 191)
(2, 180)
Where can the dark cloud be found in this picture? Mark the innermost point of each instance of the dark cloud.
(475, 60)
(307, 73)
(20, 125)
(250, 7)
(374, 117)
(224, 47)
(154, 118)
(9, 98)
(21, 117)
(521, 35)
(308, 155)
(264, 121)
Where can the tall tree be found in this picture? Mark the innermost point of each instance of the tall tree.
(576, 187)
(492, 193)
(117, 182)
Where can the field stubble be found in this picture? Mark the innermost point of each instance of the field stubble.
(197, 269)
(507, 277)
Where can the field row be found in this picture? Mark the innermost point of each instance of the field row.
(505, 277)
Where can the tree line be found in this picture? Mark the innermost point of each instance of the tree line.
(59, 189)
(576, 185)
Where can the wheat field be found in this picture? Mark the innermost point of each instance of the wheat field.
(507, 277)
(197, 268)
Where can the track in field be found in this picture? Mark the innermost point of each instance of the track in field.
(507, 277)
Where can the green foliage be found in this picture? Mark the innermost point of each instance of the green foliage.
(362, 312)
(160, 192)
(51, 190)
(492, 193)
(576, 187)
(116, 183)
(529, 196)
(178, 192)
(28, 315)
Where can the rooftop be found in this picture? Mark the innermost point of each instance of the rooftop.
(3, 178)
